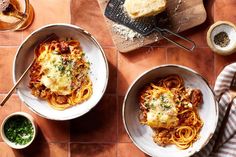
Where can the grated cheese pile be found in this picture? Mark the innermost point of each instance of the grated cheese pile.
(125, 32)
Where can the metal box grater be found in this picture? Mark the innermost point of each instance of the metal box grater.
(145, 26)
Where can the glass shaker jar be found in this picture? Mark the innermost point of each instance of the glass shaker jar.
(15, 14)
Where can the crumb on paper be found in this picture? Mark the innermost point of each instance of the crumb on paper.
(125, 32)
(156, 37)
(177, 6)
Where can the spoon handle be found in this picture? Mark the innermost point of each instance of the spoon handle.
(19, 80)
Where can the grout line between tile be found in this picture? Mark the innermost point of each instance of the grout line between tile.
(214, 68)
(110, 94)
(213, 8)
(78, 142)
(117, 122)
(8, 46)
(117, 103)
(57, 142)
(107, 46)
(21, 105)
(68, 143)
(70, 11)
(22, 37)
(3, 94)
(166, 53)
(69, 151)
(93, 142)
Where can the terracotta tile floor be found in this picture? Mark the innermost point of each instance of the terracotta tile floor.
(7, 55)
(100, 132)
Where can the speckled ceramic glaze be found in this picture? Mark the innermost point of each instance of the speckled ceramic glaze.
(93, 53)
(141, 135)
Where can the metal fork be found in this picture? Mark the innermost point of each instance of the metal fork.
(232, 92)
(49, 38)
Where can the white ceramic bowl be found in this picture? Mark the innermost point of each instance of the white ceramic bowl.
(141, 135)
(11, 144)
(222, 26)
(93, 53)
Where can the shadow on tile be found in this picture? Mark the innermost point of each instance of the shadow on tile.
(222, 61)
(52, 131)
(111, 55)
(39, 145)
(122, 134)
(112, 81)
(41, 148)
(98, 125)
(128, 150)
(95, 150)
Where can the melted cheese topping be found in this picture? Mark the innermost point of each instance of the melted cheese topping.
(162, 110)
(57, 76)
(142, 8)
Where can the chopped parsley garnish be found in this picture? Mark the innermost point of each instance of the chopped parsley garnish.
(61, 68)
(152, 106)
(165, 102)
(146, 105)
(19, 130)
(162, 98)
(166, 105)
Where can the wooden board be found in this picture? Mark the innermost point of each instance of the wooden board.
(179, 17)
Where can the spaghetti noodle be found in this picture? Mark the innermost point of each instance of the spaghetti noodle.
(170, 110)
(60, 74)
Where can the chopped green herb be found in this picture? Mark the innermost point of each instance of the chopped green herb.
(19, 130)
(61, 68)
(83, 54)
(162, 98)
(152, 106)
(166, 105)
(146, 105)
(178, 102)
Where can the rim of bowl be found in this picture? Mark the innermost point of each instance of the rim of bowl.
(81, 30)
(12, 144)
(210, 41)
(163, 66)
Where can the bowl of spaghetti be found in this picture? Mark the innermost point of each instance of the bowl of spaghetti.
(170, 111)
(69, 71)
